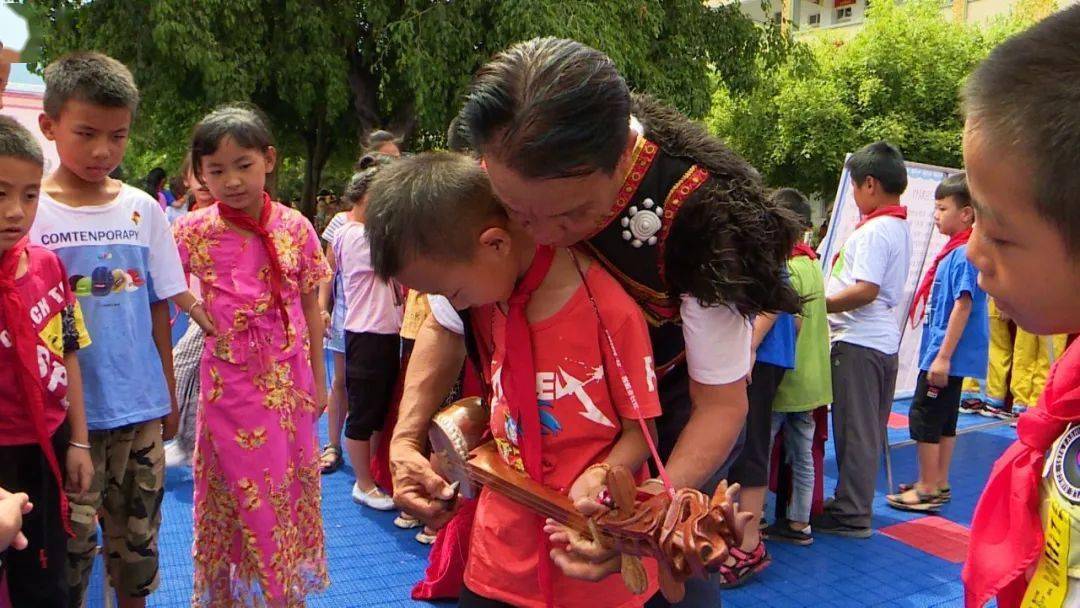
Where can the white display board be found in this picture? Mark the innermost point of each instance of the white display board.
(926, 242)
(24, 104)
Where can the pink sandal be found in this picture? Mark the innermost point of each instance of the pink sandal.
(746, 566)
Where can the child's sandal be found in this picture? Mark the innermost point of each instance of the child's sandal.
(330, 459)
(745, 567)
(944, 495)
(914, 501)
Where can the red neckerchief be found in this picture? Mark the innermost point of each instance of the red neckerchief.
(244, 221)
(922, 294)
(1006, 530)
(802, 249)
(25, 341)
(519, 388)
(897, 211)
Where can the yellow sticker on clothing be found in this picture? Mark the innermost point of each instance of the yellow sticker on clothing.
(1048, 587)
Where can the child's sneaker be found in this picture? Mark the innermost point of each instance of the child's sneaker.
(972, 406)
(374, 498)
(176, 456)
(992, 411)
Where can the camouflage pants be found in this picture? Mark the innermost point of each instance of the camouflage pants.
(126, 492)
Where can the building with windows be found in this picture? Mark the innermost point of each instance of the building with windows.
(843, 18)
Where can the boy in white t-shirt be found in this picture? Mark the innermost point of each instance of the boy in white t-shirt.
(122, 264)
(866, 285)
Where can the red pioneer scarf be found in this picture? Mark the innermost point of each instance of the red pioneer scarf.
(25, 342)
(244, 221)
(519, 387)
(898, 211)
(922, 294)
(802, 249)
(1006, 531)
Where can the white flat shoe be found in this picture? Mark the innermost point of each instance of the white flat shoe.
(373, 498)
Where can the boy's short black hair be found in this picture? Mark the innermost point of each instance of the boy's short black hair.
(434, 204)
(794, 201)
(16, 141)
(548, 108)
(94, 78)
(1026, 97)
(954, 186)
(882, 161)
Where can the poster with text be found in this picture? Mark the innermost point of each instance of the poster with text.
(926, 242)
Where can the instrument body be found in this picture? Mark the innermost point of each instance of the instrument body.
(457, 430)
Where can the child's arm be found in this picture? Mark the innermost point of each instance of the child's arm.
(80, 470)
(159, 315)
(938, 374)
(629, 451)
(310, 302)
(763, 324)
(858, 295)
(325, 290)
(194, 308)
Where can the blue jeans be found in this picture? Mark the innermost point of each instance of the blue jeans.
(798, 446)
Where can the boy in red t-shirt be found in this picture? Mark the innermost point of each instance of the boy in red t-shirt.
(572, 396)
(43, 436)
(1022, 152)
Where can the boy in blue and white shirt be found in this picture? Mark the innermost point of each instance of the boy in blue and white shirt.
(122, 262)
(955, 341)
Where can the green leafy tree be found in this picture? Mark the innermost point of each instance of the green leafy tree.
(327, 71)
(898, 79)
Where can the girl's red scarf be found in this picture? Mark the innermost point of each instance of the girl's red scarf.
(897, 211)
(922, 294)
(25, 342)
(804, 250)
(245, 222)
(1006, 531)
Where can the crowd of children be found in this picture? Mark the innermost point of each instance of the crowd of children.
(90, 390)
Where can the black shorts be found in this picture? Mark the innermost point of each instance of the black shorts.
(751, 468)
(372, 363)
(934, 411)
(23, 469)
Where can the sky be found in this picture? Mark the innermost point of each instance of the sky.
(13, 33)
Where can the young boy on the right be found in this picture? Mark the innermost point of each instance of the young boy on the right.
(954, 346)
(1022, 152)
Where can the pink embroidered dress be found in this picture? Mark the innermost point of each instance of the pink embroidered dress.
(258, 525)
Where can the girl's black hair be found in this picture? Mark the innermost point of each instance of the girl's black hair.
(154, 180)
(729, 244)
(245, 124)
(367, 168)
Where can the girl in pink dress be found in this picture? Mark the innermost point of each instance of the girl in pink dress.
(258, 524)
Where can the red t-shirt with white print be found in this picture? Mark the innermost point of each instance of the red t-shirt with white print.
(54, 311)
(581, 399)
